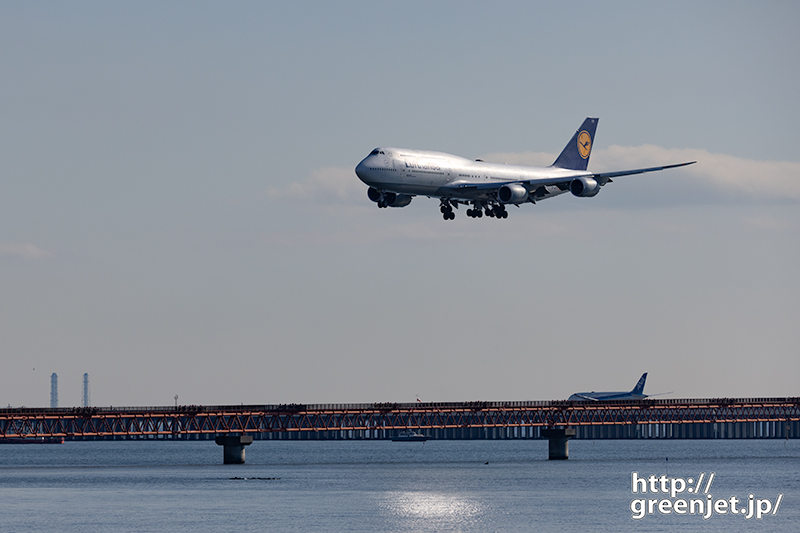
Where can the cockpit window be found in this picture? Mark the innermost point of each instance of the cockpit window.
(376, 152)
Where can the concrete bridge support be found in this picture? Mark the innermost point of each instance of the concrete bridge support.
(558, 447)
(233, 448)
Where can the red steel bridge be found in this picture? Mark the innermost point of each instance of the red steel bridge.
(135, 422)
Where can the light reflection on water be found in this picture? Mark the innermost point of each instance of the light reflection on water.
(377, 486)
(430, 505)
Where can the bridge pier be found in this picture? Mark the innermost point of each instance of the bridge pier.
(233, 448)
(558, 442)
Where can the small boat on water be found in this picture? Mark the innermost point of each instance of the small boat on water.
(409, 435)
(32, 440)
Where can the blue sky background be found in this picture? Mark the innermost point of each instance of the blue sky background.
(179, 212)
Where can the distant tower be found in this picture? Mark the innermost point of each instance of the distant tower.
(54, 390)
(86, 390)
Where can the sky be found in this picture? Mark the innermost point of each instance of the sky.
(179, 213)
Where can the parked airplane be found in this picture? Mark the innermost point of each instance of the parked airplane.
(396, 175)
(635, 394)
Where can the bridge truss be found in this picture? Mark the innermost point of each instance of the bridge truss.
(221, 420)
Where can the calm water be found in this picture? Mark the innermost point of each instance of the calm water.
(382, 486)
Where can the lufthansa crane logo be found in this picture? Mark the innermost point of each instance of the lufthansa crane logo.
(584, 144)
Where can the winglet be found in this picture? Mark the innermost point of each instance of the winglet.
(575, 155)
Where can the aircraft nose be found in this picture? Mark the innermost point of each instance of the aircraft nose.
(361, 170)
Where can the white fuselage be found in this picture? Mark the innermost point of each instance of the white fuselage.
(426, 173)
(396, 175)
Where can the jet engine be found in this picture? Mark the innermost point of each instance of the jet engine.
(512, 194)
(396, 200)
(388, 199)
(585, 187)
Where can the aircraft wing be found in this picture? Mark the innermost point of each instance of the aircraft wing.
(561, 182)
(585, 397)
(540, 189)
(606, 176)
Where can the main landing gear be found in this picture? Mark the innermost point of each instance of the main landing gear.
(447, 211)
(497, 211)
(494, 211)
(477, 211)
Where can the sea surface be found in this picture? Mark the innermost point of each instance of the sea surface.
(320, 486)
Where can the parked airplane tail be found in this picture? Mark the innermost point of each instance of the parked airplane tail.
(639, 388)
(575, 155)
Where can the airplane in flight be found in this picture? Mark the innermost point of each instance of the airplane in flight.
(396, 175)
(636, 394)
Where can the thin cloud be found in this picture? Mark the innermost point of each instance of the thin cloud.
(23, 251)
(723, 173)
(768, 223)
(337, 195)
(337, 185)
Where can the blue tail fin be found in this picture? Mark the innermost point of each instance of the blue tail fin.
(575, 155)
(639, 388)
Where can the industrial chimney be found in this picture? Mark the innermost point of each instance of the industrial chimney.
(86, 390)
(54, 390)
